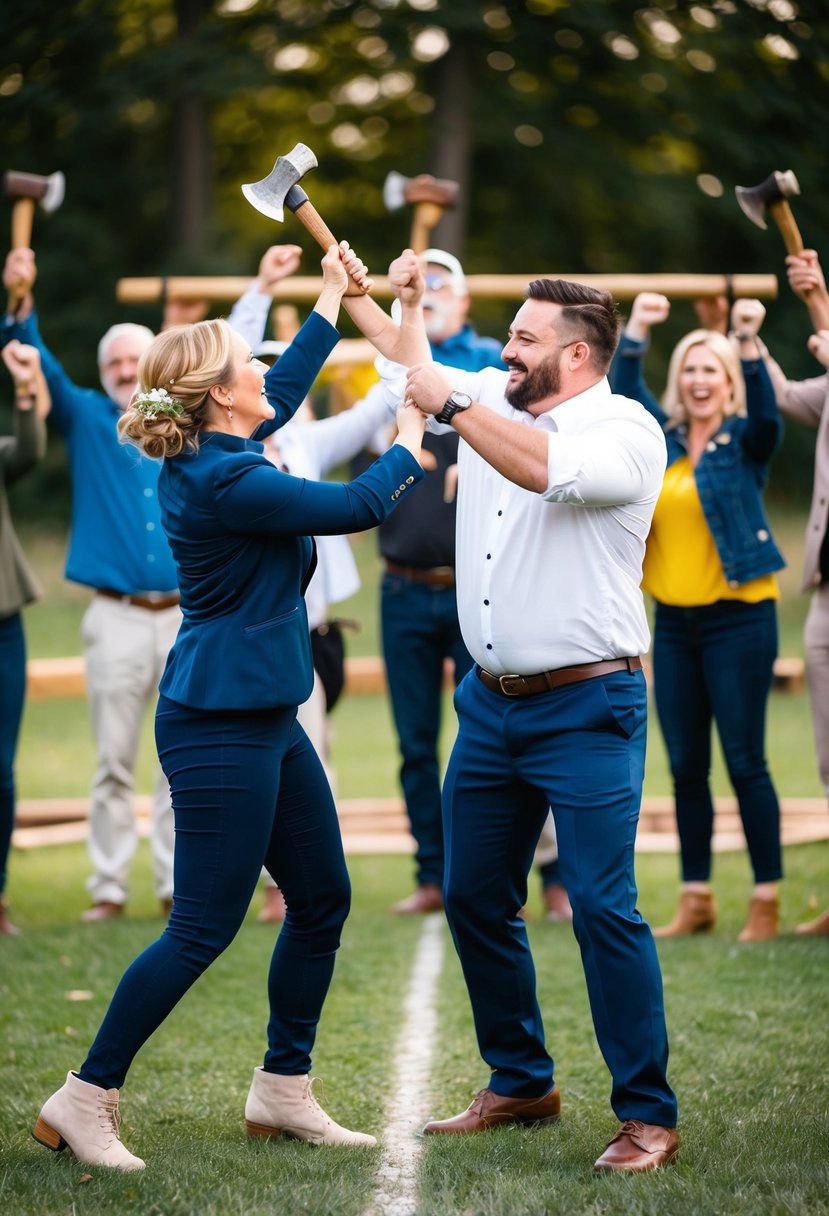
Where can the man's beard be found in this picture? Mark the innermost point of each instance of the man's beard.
(545, 381)
(119, 391)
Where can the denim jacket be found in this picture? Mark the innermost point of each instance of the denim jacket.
(731, 474)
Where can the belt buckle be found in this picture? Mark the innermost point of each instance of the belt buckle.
(505, 689)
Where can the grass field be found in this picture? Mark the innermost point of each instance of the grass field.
(750, 1063)
(748, 1024)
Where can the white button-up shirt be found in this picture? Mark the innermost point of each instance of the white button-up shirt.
(549, 580)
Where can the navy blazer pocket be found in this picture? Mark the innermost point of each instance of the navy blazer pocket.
(270, 624)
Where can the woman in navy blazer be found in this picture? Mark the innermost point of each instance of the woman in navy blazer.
(248, 788)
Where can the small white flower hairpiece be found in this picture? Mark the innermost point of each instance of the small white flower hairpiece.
(155, 401)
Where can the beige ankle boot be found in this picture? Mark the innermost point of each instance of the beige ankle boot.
(285, 1106)
(88, 1120)
(763, 920)
(697, 913)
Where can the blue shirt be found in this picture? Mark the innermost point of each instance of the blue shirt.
(116, 540)
(468, 351)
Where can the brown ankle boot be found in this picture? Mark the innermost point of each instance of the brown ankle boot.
(763, 920)
(697, 913)
(815, 928)
(6, 926)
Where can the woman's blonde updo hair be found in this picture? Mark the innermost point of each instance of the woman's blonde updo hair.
(721, 347)
(186, 360)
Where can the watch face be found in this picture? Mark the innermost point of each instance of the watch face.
(461, 401)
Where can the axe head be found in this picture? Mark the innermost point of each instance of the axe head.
(268, 195)
(398, 190)
(756, 200)
(48, 191)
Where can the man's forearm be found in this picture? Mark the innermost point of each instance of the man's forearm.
(405, 343)
(518, 452)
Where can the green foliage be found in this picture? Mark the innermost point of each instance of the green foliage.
(589, 137)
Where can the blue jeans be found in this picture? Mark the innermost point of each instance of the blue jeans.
(420, 630)
(12, 692)
(715, 663)
(581, 751)
(248, 789)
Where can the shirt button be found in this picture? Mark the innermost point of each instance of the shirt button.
(762, 534)
(150, 557)
(500, 512)
(489, 645)
(489, 557)
(148, 493)
(486, 602)
(151, 527)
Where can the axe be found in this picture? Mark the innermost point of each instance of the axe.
(429, 196)
(771, 196)
(279, 190)
(26, 189)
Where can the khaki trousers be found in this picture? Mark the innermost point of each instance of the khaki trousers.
(125, 649)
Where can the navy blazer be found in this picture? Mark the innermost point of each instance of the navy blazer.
(240, 530)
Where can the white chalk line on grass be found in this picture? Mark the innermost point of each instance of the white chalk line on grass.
(396, 1193)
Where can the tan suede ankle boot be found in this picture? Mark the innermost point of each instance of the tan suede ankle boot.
(285, 1106)
(86, 1118)
(763, 922)
(819, 927)
(697, 913)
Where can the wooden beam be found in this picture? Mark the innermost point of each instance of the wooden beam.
(223, 288)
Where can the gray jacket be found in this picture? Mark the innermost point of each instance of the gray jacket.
(18, 453)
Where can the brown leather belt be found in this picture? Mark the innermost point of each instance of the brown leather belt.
(433, 576)
(529, 686)
(154, 603)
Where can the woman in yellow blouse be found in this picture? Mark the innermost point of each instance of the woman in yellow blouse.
(710, 566)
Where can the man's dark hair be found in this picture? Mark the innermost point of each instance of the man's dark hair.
(589, 314)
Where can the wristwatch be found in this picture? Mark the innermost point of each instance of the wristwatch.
(455, 402)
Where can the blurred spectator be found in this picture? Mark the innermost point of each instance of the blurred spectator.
(710, 566)
(18, 586)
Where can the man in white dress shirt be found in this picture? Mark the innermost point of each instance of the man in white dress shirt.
(558, 478)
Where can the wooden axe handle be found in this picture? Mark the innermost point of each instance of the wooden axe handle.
(781, 213)
(23, 216)
(308, 215)
(426, 217)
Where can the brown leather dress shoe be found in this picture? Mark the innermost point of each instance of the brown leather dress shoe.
(427, 898)
(489, 1110)
(105, 910)
(639, 1146)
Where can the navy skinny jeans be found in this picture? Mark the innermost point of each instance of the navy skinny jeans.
(420, 629)
(248, 789)
(12, 691)
(714, 663)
